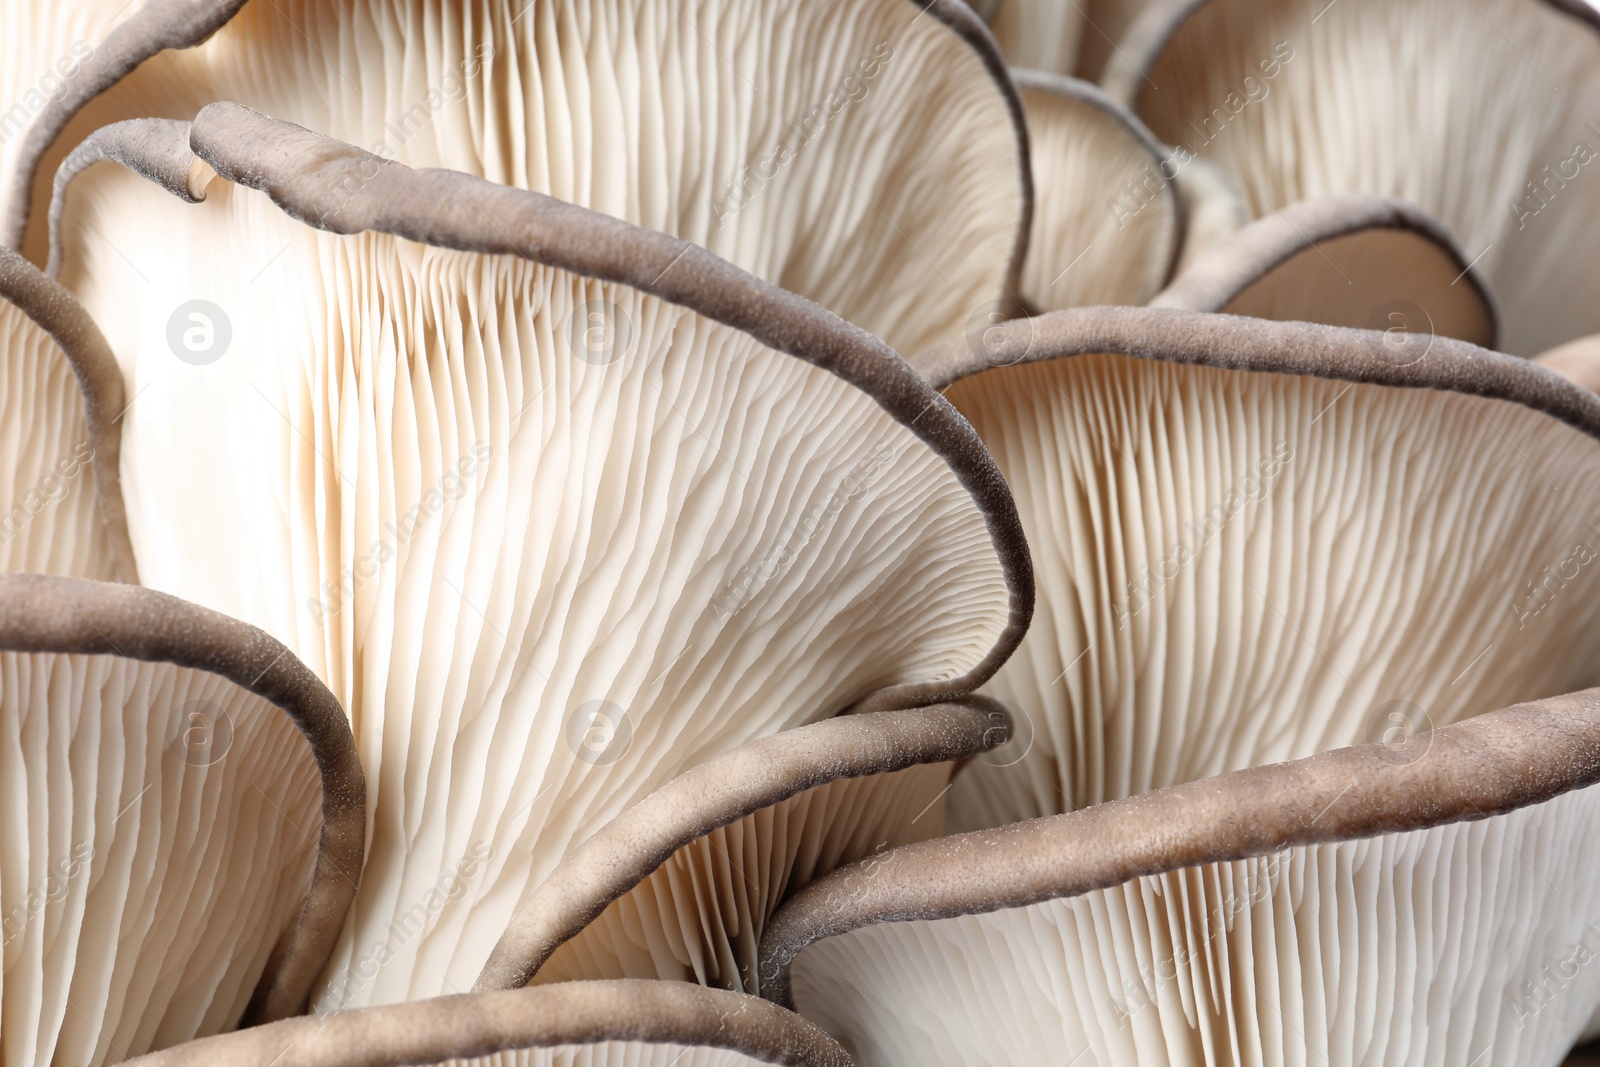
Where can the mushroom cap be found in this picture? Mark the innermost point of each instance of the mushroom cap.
(1299, 100)
(681, 884)
(1108, 220)
(1423, 901)
(81, 49)
(60, 396)
(769, 133)
(575, 1024)
(1258, 540)
(185, 814)
(1365, 262)
(468, 498)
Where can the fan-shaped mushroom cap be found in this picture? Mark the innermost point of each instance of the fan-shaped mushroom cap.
(575, 1024)
(682, 884)
(1365, 262)
(177, 849)
(1429, 901)
(60, 397)
(1577, 361)
(1301, 98)
(1108, 221)
(770, 133)
(1259, 540)
(66, 55)
(546, 570)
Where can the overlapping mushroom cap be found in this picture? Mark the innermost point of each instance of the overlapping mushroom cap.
(622, 610)
(1251, 547)
(1301, 99)
(184, 815)
(1257, 540)
(556, 527)
(766, 132)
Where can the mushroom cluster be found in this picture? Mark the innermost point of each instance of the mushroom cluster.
(628, 533)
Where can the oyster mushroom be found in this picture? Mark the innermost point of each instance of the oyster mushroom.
(561, 568)
(1267, 539)
(1299, 100)
(61, 397)
(585, 1024)
(1360, 261)
(1108, 217)
(695, 870)
(1423, 902)
(782, 151)
(68, 55)
(184, 814)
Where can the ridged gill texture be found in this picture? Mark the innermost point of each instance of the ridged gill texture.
(1238, 568)
(1457, 109)
(769, 133)
(51, 521)
(1471, 943)
(700, 916)
(161, 829)
(550, 541)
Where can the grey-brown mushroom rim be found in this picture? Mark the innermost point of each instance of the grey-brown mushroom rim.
(1237, 342)
(966, 23)
(55, 311)
(46, 614)
(1127, 76)
(1228, 269)
(337, 187)
(472, 1025)
(1489, 765)
(720, 791)
(156, 25)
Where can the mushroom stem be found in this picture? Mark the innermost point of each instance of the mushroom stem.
(155, 27)
(56, 312)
